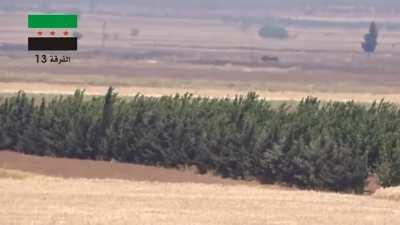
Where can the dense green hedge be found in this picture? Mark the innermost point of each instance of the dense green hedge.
(313, 145)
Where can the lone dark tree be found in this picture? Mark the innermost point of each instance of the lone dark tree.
(371, 39)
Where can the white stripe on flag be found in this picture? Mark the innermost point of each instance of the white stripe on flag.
(48, 32)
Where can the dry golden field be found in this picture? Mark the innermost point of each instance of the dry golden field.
(14, 174)
(53, 201)
(392, 193)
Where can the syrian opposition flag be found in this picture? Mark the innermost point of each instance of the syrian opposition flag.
(52, 32)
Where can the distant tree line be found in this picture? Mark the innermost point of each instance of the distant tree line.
(330, 146)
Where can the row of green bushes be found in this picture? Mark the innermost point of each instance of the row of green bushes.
(331, 146)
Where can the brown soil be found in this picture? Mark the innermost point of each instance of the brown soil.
(73, 168)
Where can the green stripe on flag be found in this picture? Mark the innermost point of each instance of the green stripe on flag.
(53, 21)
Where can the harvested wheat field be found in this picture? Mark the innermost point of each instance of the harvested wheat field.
(29, 194)
(39, 200)
(392, 193)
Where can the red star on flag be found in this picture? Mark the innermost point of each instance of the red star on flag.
(52, 33)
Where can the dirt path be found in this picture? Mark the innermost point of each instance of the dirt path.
(73, 168)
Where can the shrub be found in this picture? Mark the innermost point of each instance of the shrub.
(273, 31)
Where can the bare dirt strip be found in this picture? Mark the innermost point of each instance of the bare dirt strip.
(73, 168)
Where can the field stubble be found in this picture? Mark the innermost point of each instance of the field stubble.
(392, 193)
(45, 201)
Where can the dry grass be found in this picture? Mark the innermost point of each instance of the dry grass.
(45, 201)
(14, 174)
(392, 193)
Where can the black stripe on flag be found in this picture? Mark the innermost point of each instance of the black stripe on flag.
(52, 43)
